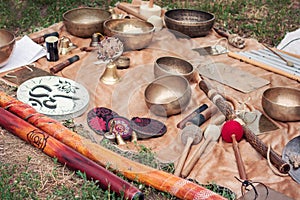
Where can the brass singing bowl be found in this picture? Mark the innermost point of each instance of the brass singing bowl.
(168, 95)
(282, 103)
(169, 65)
(7, 44)
(134, 33)
(193, 23)
(83, 22)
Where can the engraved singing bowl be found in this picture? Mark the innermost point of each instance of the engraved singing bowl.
(168, 95)
(134, 33)
(282, 103)
(169, 65)
(7, 44)
(193, 23)
(84, 22)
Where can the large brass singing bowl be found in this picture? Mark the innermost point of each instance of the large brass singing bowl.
(282, 103)
(83, 22)
(7, 44)
(193, 23)
(134, 33)
(169, 65)
(168, 95)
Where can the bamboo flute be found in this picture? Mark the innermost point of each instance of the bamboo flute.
(155, 178)
(255, 142)
(66, 155)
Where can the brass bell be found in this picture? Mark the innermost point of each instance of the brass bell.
(110, 75)
(134, 137)
(66, 46)
(118, 137)
(96, 38)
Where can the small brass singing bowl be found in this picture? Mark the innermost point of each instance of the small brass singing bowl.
(169, 65)
(282, 103)
(168, 95)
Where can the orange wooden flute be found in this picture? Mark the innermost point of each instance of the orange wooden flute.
(67, 155)
(135, 171)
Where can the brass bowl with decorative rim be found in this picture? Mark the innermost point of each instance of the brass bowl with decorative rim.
(282, 103)
(84, 22)
(134, 33)
(7, 44)
(169, 65)
(168, 95)
(193, 23)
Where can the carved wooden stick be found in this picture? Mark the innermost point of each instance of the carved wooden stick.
(67, 155)
(229, 113)
(158, 179)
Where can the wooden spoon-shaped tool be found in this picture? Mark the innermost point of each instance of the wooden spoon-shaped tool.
(211, 133)
(191, 134)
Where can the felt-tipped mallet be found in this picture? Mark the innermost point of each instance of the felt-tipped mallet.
(232, 132)
(191, 135)
(211, 133)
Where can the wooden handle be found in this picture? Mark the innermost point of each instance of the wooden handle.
(126, 7)
(218, 100)
(194, 158)
(183, 156)
(263, 66)
(134, 171)
(238, 157)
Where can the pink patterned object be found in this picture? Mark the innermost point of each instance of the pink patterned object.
(98, 119)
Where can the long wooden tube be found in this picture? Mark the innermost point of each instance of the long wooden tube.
(66, 155)
(255, 142)
(155, 178)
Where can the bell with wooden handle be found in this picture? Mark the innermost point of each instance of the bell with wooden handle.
(110, 75)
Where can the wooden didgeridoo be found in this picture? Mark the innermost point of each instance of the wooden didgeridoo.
(134, 171)
(255, 142)
(66, 155)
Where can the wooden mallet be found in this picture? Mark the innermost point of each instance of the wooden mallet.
(232, 132)
(211, 133)
(191, 134)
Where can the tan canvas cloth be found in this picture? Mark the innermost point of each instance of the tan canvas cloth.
(126, 98)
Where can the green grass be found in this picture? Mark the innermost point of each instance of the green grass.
(26, 184)
(267, 20)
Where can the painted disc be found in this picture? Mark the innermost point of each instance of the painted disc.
(54, 96)
(147, 127)
(291, 155)
(121, 127)
(98, 118)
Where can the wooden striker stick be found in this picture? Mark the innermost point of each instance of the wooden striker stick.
(126, 7)
(158, 179)
(66, 155)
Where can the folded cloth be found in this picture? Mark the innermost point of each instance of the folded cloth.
(291, 42)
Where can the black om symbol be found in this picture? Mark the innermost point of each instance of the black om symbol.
(44, 98)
